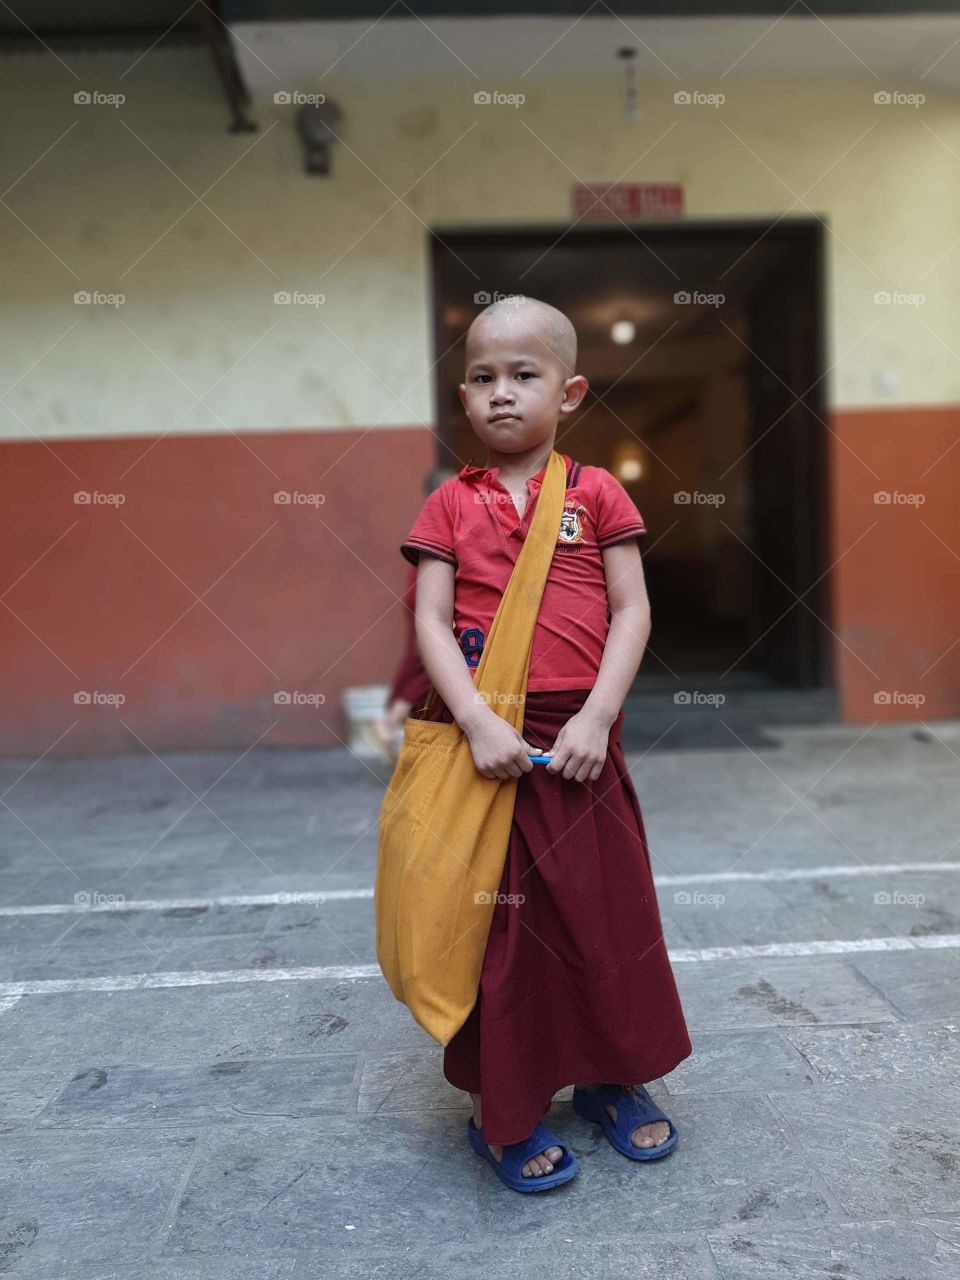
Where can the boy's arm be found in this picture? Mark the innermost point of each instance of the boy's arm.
(439, 650)
(498, 750)
(581, 746)
(629, 631)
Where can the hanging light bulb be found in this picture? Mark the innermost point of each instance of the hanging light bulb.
(627, 463)
(623, 332)
(630, 81)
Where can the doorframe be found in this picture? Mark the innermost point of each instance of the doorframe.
(802, 234)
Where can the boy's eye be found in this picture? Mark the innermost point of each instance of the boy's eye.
(525, 373)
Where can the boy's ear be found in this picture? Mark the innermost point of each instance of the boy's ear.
(462, 393)
(574, 389)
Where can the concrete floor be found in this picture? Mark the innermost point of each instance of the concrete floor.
(201, 1086)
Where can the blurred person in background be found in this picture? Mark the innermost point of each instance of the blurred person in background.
(410, 682)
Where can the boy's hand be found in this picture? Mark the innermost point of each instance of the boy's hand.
(498, 750)
(581, 747)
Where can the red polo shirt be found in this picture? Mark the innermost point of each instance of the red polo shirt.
(471, 522)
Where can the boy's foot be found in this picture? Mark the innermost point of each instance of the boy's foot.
(646, 1135)
(537, 1165)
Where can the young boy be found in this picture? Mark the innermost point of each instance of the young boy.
(576, 984)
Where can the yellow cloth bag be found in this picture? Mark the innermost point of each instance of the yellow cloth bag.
(445, 828)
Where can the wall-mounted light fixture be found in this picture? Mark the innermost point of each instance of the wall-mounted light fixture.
(316, 124)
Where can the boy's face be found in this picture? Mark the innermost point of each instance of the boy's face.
(515, 388)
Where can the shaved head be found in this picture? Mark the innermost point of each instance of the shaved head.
(550, 332)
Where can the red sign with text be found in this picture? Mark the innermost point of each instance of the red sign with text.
(628, 200)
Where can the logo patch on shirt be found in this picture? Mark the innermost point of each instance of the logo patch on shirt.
(572, 526)
(471, 642)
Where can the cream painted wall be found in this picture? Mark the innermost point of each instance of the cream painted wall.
(101, 202)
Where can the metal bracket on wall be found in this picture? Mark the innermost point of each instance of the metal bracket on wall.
(102, 25)
(217, 40)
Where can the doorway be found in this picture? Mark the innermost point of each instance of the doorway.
(703, 344)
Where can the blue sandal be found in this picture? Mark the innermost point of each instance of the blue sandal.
(516, 1154)
(634, 1107)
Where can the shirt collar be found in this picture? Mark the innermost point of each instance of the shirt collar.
(474, 474)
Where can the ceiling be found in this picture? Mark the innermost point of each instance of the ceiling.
(632, 273)
(909, 40)
(48, 16)
(600, 276)
(262, 46)
(887, 52)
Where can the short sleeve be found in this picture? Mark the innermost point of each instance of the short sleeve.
(618, 519)
(432, 530)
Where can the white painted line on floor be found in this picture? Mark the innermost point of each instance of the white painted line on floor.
(308, 897)
(828, 947)
(341, 973)
(334, 972)
(810, 873)
(187, 978)
(932, 941)
(291, 898)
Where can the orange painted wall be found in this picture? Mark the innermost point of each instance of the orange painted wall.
(104, 598)
(896, 580)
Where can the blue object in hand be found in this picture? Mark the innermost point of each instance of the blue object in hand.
(539, 759)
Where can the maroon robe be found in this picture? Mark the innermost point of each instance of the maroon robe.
(576, 985)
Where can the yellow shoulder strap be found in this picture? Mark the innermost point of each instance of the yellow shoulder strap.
(505, 661)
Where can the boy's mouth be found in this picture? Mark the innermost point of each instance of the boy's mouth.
(503, 417)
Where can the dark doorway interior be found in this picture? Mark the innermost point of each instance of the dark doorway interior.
(713, 417)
